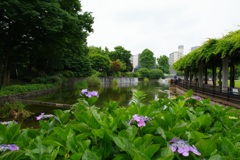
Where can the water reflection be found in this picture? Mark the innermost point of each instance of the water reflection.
(122, 93)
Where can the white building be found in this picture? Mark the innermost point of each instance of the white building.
(174, 56)
(135, 61)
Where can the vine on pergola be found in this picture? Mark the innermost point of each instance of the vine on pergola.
(211, 53)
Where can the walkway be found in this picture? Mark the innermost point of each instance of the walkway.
(223, 95)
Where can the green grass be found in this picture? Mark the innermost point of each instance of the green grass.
(15, 89)
(237, 83)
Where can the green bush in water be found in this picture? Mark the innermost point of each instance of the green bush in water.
(93, 81)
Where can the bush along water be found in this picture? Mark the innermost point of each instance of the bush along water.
(168, 129)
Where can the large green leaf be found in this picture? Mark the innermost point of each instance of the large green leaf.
(206, 147)
(228, 148)
(88, 155)
(150, 150)
(216, 157)
(13, 155)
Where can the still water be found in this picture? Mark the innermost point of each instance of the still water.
(122, 93)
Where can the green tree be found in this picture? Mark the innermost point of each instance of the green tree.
(156, 74)
(143, 72)
(39, 34)
(98, 50)
(163, 64)
(100, 63)
(123, 55)
(147, 59)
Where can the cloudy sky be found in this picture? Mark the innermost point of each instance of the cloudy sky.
(160, 25)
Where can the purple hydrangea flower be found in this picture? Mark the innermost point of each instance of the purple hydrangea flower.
(44, 116)
(12, 147)
(84, 91)
(89, 93)
(182, 147)
(140, 120)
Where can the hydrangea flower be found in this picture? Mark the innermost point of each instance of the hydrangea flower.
(141, 120)
(12, 147)
(182, 147)
(194, 97)
(7, 122)
(89, 93)
(44, 116)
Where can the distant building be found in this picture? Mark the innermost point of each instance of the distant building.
(135, 61)
(174, 56)
(195, 47)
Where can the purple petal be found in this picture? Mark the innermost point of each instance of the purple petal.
(3, 147)
(94, 93)
(84, 91)
(13, 147)
(185, 154)
(180, 150)
(130, 122)
(141, 123)
(194, 150)
(175, 139)
(136, 118)
(89, 94)
(173, 148)
(40, 116)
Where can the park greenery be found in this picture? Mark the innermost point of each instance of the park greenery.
(47, 38)
(210, 55)
(163, 64)
(185, 127)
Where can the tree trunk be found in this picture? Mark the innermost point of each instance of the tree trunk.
(205, 75)
(232, 74)
(6, 70)
(214, 75)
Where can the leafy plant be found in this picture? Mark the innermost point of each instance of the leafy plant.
(185, 127)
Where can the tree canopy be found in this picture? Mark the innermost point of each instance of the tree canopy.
(147, 59)
(212, 51)
(40, 35)
(163, 64)
(123, 55)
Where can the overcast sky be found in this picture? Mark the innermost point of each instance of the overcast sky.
(160, 25)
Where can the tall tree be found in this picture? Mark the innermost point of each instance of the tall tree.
(147, 59)
(123, 55)
(100, 63)
(40, 34)
(163, 64)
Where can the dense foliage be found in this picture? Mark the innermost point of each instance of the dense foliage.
(211, 52)
(163, 64)
(42, 37)
(160, 130)
(147, 59)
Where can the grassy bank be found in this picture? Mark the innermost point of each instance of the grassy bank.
(16, 89)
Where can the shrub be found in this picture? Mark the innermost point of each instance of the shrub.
(143, 72)
(156, 74)
(93, 81)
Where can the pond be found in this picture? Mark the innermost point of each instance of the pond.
(122, 93)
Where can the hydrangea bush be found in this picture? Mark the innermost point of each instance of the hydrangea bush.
(167, 129)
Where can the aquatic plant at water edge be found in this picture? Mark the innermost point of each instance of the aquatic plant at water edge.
(169, 129)
(93, 81)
